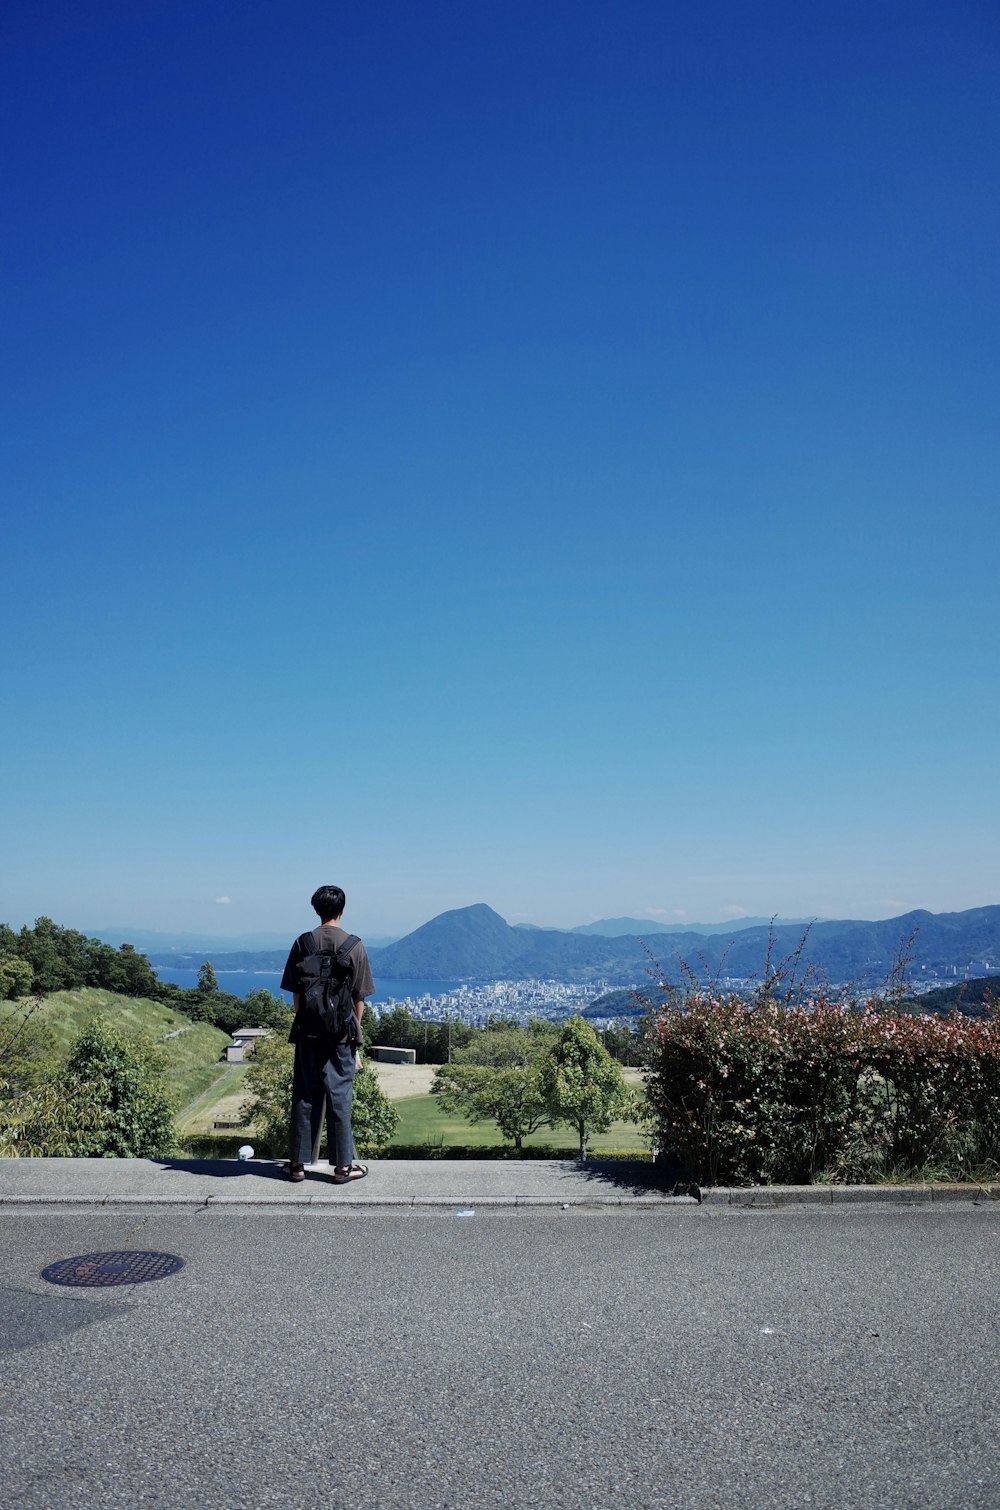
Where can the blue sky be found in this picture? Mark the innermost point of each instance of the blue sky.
(538, 453)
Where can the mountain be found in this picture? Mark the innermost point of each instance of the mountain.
(645, 927)
(475, 943)
(972, 998)
(465, 940)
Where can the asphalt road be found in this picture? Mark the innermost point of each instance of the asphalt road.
(688, 1357)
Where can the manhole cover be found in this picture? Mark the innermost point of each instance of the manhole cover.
(100, 1269)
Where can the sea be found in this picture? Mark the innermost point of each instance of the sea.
(239, 982)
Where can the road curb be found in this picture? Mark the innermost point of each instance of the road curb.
(598, 1184)
(763, 1198)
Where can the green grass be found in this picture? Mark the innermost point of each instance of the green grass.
(421, 1120)
(220, 1081)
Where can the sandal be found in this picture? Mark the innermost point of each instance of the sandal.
(294, 1172)
(345, 1173)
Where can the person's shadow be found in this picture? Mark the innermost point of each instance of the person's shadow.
(228, 1169)
(225, 1169)
(668, 1176)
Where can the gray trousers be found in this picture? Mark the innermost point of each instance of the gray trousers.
(322, 1076)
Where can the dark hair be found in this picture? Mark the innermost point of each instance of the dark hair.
(329, 902)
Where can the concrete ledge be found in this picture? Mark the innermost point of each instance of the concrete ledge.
(716, 1195)
(782, 1195)
(898, 1195)
(474, 1183)
(976, 1193)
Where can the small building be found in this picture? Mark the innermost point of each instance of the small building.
(386, 1054)
(243, 1038)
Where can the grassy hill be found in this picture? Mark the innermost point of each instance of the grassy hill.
(192, 1050)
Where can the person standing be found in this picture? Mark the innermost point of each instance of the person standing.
(325, 1066)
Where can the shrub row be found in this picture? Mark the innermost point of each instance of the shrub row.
(226, 1146)
(764, 1094)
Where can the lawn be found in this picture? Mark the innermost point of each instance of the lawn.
(421, 1121)
(422, 1124)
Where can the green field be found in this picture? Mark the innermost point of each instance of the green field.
(421, 1121)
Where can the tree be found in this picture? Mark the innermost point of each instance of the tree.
(498, 1078)
(623, 1043)
(208, 981)
(227, 1012)
(269, 1099)
(208, 1004)
(432, 1041)
(120, 1077)
(369, 1026)
(40, 947)
(262, 1009)
(582, 1085)
(123, 969)
(269, 1092)
(109, 1102)
(15, 977)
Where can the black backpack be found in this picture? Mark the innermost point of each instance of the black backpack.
(324, 981)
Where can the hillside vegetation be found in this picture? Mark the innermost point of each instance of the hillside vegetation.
(191, 1051)
(973, 998)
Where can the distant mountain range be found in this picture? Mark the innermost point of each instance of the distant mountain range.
(475, 943)
(644, 927)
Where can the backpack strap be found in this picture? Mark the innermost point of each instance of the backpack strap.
(348, 944)
(343, 956)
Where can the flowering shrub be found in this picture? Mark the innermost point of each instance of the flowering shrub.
(772, 1093)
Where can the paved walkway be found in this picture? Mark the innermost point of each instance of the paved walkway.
(415, 1182)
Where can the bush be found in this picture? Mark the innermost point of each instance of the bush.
(269, 1101)
(16, 976)
(792, 1094)
(373, 1116)
(109, 1102)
